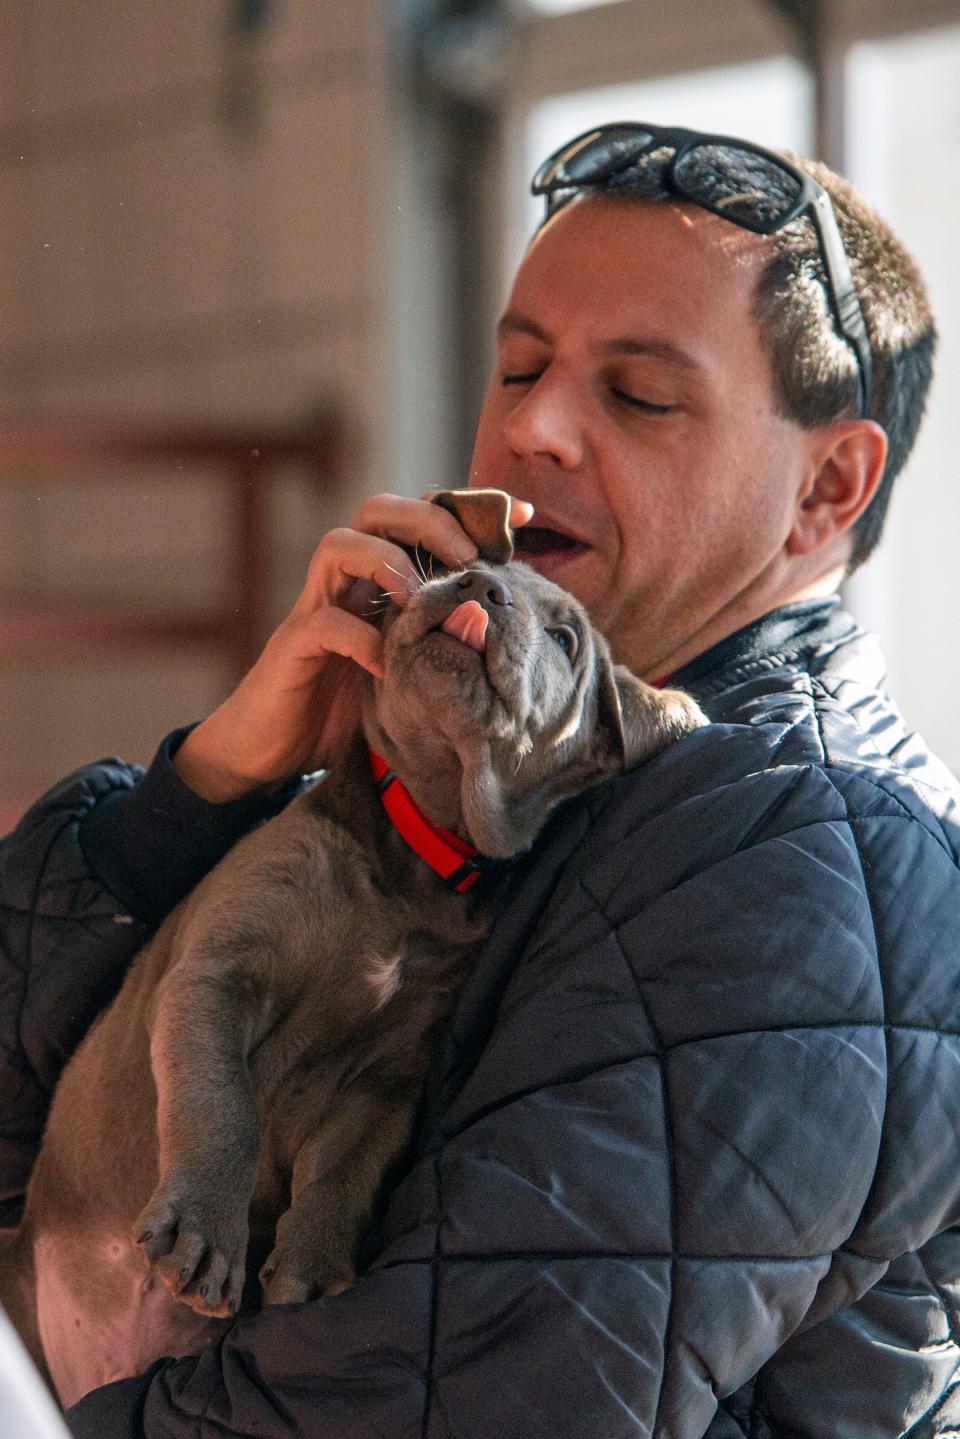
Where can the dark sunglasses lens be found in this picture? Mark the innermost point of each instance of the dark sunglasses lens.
(592, 158)
(748, 189)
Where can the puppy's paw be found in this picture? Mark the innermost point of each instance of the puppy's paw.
(196, 1248)
(681, 712)
(286, 1282)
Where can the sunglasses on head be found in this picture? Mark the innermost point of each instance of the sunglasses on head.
(741, 182)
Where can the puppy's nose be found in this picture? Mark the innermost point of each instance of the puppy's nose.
(481, 585)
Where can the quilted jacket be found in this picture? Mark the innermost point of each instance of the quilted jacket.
(688, 1160)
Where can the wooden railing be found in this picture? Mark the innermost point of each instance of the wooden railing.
(57, 453)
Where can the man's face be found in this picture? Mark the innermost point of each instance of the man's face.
(633, 405)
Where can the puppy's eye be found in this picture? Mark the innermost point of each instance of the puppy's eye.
(566, 638)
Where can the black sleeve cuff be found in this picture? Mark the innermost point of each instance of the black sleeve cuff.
(150, 845)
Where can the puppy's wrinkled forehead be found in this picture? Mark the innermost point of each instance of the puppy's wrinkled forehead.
(551, 597)
(548, 597)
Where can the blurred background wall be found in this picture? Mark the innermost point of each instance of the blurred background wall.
(241, 217)
(190, 236)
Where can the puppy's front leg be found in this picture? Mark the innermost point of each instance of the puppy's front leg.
(195, 1227)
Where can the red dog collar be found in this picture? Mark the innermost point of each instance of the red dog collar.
(457, 863)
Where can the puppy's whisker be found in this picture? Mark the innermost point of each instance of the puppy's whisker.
(400, 576)
(536, 641)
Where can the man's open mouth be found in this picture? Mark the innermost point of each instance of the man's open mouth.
(537, 542)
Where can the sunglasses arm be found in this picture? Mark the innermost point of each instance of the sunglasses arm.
(843, 295)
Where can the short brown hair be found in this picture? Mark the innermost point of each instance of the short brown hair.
(815, 372)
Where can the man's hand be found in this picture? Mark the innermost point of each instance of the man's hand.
(300, 698)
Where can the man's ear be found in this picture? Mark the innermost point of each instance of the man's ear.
(846, 468)
(636, 721)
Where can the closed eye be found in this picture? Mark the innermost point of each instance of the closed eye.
(647, 406)
(634, 402)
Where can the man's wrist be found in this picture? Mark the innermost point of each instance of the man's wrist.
(200, 764)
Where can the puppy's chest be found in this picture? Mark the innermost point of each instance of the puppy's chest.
(373, 1019)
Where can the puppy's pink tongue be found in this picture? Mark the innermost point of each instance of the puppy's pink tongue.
(469, 624)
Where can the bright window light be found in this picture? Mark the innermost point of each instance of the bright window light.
(561, 7)
(903, 141)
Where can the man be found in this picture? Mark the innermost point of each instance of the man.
(686, 1163)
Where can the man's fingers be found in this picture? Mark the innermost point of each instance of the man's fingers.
(414, 522)
(341, 633)
(371, 548)
(344, 556)
(521, 513)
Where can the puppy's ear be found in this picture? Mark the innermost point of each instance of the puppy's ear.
(485, 515)
(636, 721)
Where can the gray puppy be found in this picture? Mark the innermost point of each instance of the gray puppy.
(292, 1001)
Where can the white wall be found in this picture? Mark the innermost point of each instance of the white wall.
(904, 136)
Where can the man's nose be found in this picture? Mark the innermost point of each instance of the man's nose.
(485, 588)
(545, 423)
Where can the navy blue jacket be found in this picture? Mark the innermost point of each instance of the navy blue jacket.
(688, 1162)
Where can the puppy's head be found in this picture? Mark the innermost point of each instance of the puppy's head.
(500, 699)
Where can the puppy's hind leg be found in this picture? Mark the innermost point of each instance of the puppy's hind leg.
(195, 1227)
(336, 1176)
